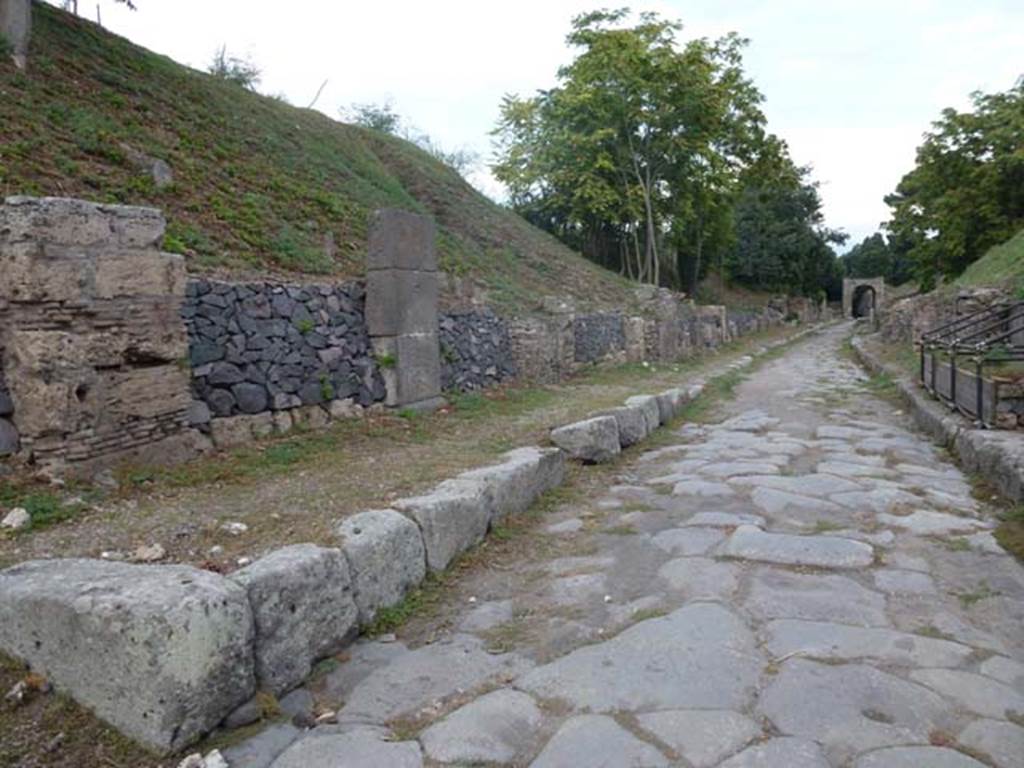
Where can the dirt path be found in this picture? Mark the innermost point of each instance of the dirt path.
(805, 582)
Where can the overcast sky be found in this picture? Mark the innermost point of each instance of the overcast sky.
(850, 84)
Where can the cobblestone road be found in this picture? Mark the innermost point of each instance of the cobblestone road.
(806, 583)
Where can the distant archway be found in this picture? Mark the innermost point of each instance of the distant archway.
(864, 301)
(862, 295)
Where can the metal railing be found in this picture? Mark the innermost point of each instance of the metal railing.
(982, 339)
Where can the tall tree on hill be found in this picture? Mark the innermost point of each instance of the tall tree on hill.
(635, 146)
(966, 192)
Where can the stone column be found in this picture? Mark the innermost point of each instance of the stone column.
(15, 27)
(401, 307)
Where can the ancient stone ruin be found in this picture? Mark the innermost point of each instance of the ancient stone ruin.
(110, 353)
(94, 350)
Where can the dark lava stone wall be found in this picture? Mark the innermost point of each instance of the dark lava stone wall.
(258, 347)
(598, 336)
(476, 351)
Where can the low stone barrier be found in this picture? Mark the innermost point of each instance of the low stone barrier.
(166, 653)
(601, 437)
(997, 455)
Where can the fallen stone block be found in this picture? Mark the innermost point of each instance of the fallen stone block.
(632, 424)
(594, 440)
(648, 405)
(163, 652)
(670, 402)
(451, 518)
(523, 475)
(302, 604)
(386, 558)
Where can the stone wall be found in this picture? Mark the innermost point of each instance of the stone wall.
(904, 320)
(476, 351)
(599, 336)
(257, 347)
(547, 349)
(94, 350)
(9, 441)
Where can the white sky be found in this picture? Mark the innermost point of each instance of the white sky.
(850, 84)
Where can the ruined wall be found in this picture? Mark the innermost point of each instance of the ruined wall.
(258, 347)
(550, 348)
(94, 351)
(476, 351)
(904, 320)
(598, 336)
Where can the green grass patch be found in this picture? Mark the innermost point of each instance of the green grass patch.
(45, 507)
(975, 596)
(1010, 531)
(1002, 266)
(258, 184)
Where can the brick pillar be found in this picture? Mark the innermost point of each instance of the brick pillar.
(401, 307)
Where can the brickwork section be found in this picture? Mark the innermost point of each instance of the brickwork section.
(94, 351)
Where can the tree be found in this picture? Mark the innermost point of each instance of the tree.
(781, 243)
(235, 70)
(875, 256)
(377, 117)
(966, 191)
(637, 156)
(384, 118)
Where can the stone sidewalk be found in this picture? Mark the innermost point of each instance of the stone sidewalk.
(806, 583)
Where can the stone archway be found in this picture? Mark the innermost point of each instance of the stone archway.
(864, 301)
(862, 295)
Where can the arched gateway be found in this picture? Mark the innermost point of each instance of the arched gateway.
(861, 297)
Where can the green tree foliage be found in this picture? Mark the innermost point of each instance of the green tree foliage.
(781, 244)
(875, 256)
(384, 118)
(639, 155)
(966, 192)
(377, 117)
(234, 69)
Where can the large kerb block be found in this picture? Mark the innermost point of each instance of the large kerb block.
(162, 653)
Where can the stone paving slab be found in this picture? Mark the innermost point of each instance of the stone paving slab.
(841, 642)
(852, 707)
(496, 728)
(701, 655)
(597, 741)
(702, 737)
(750, 543)
(780, 753)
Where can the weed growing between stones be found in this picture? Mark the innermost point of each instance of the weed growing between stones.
(929, 630)
(1010, 532)
(983, 592)
(959, 544)
(44, 507)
